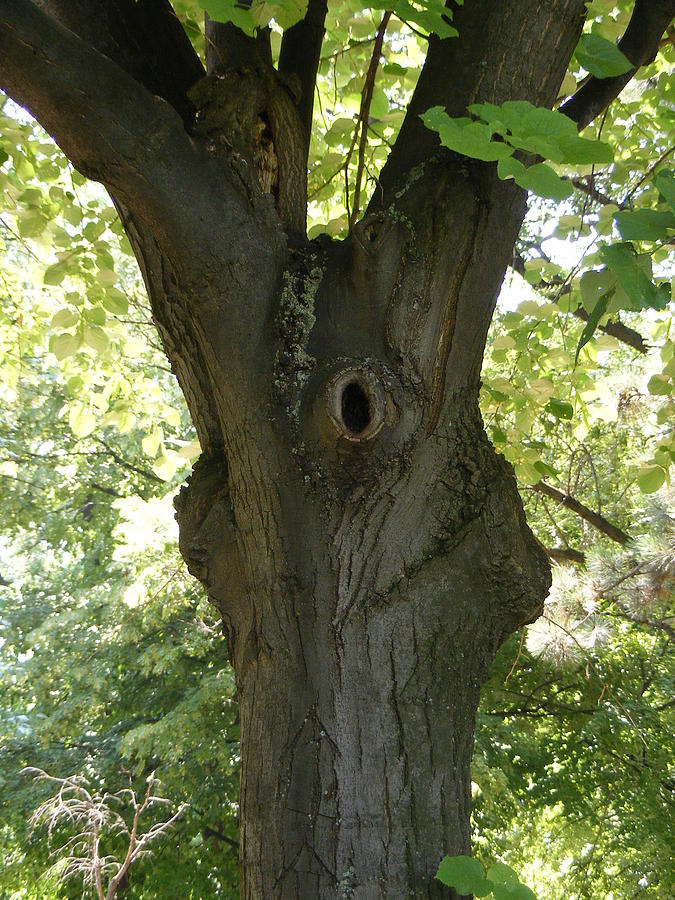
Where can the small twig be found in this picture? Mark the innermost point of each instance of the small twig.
(362, 122)
(515, 661)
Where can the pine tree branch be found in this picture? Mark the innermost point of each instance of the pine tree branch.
(565, 555)
(639, 44)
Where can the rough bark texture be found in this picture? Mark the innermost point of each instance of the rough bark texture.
(363, 541)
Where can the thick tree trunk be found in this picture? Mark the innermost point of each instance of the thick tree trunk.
(359, 659)
(368, 552)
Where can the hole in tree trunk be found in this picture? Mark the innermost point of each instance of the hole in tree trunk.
(355, 408)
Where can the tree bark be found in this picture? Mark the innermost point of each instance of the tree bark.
(368, 552)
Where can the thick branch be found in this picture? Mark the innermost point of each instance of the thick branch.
(505, 51)
(300, 55)
(587, 514)
(146, 39)
(111, 127)
(227, 47)
(640, 44)
(618, 330)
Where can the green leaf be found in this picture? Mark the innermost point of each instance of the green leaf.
(519, 117)
(518, 891)
(81, 420)
(594, 284)
(641, 290)
(601, 57)
(644, 224)
(560, 408)
(229, 11)
(582, 151)
(544, 469)
(650, 478)
(64, 318)
(465, 874)
(55, 274)
(432, 18)
(597, 313)
(540, 179)
(465, 136)
(64, 345)
(96, 338)
(664, 181)
(115, 302)
(659, 385)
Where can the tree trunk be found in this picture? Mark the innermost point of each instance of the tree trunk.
(368, 552)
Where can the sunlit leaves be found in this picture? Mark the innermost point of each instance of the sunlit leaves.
(650, 478)
(601, 57)
(518, 125)
(538, 178)
(468, 876)
(644, 224)
(464, 135)
(249, 16)
(632, 278)
(664, 181)
(430, 16)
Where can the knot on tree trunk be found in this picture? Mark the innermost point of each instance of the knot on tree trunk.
(207, 531)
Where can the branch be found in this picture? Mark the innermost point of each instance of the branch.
(109, 125)
(640, 44)
(227, 47)
(515, 49)
(587, 514)
(146, 39)
(362, 121)
(117, 132)
(300, 54)
(617, 330)
(565, 555)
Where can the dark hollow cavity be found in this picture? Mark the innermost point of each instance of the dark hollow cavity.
(355, 408)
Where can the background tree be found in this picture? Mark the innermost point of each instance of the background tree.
(340, 379)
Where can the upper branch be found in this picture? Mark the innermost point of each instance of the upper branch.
(113, 129)
(505, 51)
(227, 47)
(300, 55)
(640, 44)
(145, 38)
(205, 216)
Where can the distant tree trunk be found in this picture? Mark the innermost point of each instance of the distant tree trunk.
(363, 541)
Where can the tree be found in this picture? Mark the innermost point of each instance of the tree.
(96, 817)
(363, 541)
